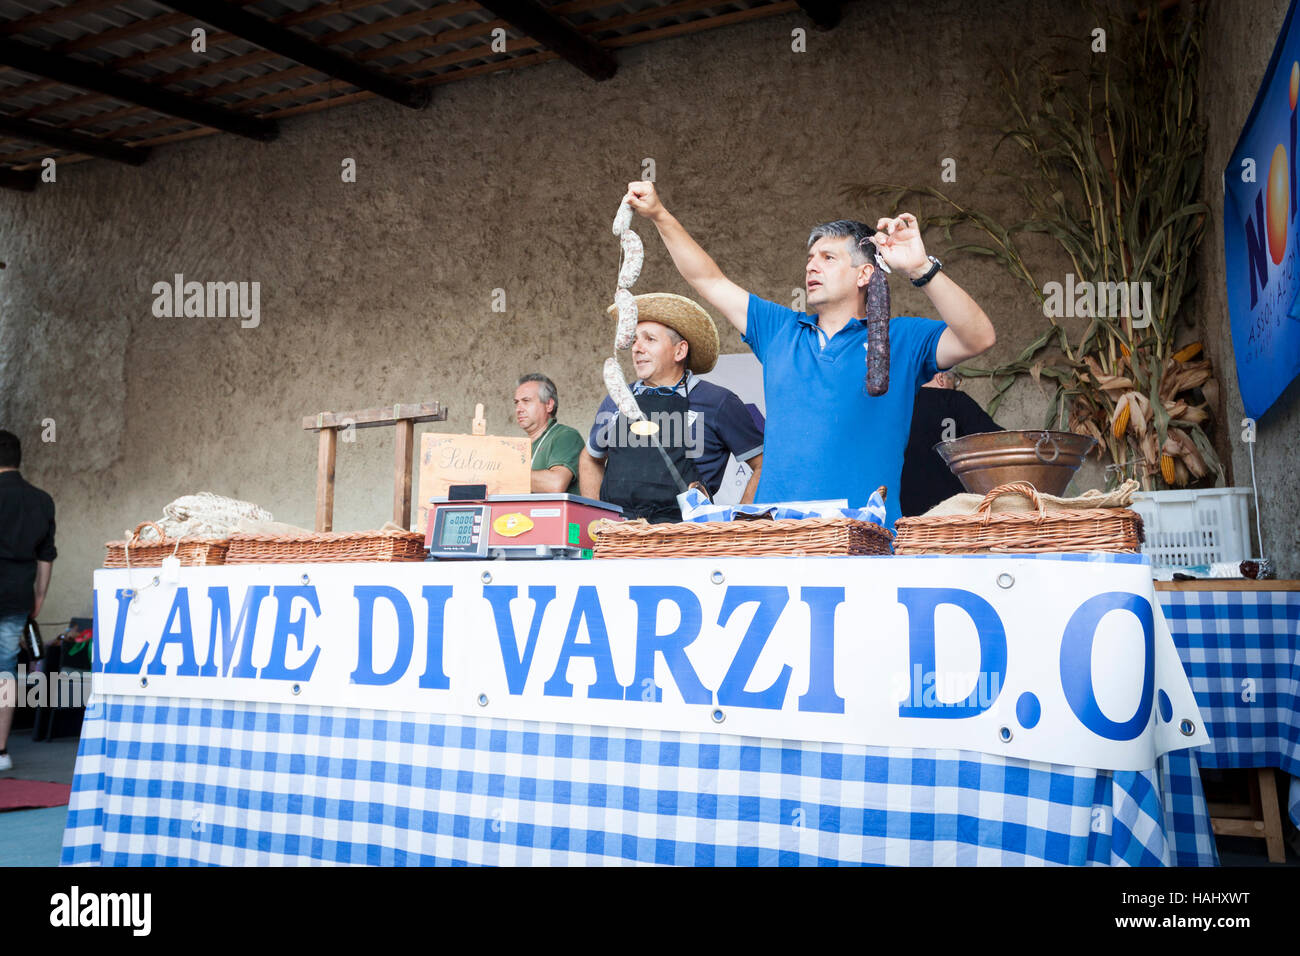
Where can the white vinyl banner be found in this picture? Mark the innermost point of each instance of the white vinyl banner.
(1069, 662)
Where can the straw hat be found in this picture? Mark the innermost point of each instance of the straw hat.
(685, 317)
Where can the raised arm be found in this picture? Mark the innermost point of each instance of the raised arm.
(969, 331)
(695, 265)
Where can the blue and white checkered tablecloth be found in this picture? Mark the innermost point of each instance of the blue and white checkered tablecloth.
(163, 782)
(1241, 651)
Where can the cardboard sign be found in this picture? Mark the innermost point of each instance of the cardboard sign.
(503, 464)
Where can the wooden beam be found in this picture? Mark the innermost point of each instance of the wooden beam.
(13, 179)
(262, 32)
(325, 454)
(1227, 584)
(555, 34)
(77, 142)
(85, 76)
(515, 62)
(825, 14)
(374, 417)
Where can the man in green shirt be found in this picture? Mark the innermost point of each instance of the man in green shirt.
(556, 447)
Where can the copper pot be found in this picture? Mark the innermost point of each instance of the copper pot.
(1045, 459)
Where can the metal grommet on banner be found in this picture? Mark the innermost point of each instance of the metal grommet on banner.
(1186, 727)
(156, 582)
(486, 577)
(482, 700)
(718, 716)
(717, 577)
(1005, 580)
(297, 689)
(305, 579)
(1005, 735)
(144, 682)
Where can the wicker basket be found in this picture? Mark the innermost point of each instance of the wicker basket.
(788, 537)
(1091, 529)
(192, 552)
(326, 547)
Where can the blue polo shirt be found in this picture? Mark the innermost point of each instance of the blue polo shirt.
(825, 436)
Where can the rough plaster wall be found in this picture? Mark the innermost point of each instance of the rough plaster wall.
(1240, 37)
(380, 291)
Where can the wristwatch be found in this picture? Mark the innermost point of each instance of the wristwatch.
(935, 266)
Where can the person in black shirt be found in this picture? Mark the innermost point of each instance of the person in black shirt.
(26, 559)
(940, 413)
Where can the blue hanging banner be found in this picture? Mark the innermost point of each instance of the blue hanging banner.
(1260, 243)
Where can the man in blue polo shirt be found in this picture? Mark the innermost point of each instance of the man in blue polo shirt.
(825, 437)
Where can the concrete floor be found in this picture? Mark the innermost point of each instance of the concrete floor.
(35, 837)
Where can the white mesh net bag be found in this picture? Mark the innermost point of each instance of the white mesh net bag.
(206, 515)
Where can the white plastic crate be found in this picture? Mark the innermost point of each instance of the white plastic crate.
(1202, 527)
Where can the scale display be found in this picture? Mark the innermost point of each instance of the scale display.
(459, 531)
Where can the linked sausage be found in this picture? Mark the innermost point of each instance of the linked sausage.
(877, 333)
(627, 313)
(623, 221)
(633, 256)
(619, 392)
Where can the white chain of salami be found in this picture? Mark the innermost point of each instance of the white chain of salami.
(629, 271)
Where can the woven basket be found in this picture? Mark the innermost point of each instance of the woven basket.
(326, 547)
(192, 552)
(788, 537)
(1008, 532)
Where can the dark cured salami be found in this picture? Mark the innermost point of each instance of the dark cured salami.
(877, 333)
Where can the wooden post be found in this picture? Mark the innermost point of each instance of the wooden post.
(325, 479)
(403, 417)
(402, 451)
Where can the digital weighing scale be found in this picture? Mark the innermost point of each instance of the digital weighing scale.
(520, 527)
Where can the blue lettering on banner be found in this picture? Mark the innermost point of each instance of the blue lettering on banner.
(1076, 663)
(771, 602)
(366, 595)
(435, 600)
(821, 697)
(183, 635)
(219, 598)
(516, 664)
(296, 627)
(115, 664)
(586, 608)
(921, 604)
(672, 646)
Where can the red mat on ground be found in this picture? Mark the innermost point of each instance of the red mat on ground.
(23, 794)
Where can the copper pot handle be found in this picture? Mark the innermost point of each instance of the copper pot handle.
(1023, 488)
(1038, 449)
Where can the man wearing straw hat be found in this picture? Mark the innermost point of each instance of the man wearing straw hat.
(694, 426)
(826, 437)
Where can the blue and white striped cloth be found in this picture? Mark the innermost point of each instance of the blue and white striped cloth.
(1241, 651)
(166, 782)
(696, 508)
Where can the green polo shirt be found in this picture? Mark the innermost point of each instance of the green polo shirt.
(559, 445)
